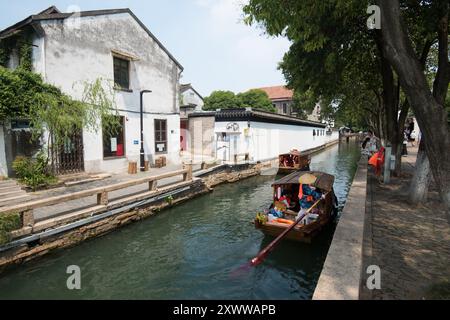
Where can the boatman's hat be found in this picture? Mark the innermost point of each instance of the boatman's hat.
(307, 178)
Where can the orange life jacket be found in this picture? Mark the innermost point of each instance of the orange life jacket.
(300, 194)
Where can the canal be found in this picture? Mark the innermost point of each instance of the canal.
(191, 250)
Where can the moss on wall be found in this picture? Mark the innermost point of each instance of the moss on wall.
(8, 223)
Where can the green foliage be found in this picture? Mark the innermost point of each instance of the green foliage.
(334, 56)
(8, 223)
(25, 55)
(254, 98)
(34, 173)
(304, 103)
(330, 45)
(169, 200)
(220, 100)
(24, 94)
(3, 55)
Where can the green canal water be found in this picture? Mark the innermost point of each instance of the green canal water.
(190, 251)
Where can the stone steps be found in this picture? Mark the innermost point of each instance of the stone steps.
(7, 189)
(8, 183)
(11, 193)
(15, 199)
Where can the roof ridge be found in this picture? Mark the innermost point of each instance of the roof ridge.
(50, 10)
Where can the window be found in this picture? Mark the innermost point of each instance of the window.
(121, 73)
(160, 136)
(284, 108)
(113, 141)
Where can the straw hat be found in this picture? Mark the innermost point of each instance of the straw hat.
(307, 178)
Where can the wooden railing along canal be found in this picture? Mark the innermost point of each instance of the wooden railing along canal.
(103, 203)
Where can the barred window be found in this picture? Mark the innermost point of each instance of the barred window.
(121, 73)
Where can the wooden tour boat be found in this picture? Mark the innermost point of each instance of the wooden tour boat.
(293, 161)
(324, 211)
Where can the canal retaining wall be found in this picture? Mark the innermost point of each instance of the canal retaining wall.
(341, 274)
(230, 173)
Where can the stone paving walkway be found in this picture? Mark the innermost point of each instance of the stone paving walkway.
(410, 244)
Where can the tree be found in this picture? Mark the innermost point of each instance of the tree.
(327, 39)
(303, 103)
(428, 105)
(333, 58)
(220, 100)
(255, 98)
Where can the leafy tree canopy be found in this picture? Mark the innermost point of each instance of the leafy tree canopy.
(334, 56)
(220, 100)
(254, 98)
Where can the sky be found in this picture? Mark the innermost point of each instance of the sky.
(217, 50)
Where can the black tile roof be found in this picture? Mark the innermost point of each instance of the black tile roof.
(242, 114)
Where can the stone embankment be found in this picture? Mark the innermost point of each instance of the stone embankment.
(341, 273)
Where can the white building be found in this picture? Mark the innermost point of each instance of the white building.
(261, 135)
(109, 44)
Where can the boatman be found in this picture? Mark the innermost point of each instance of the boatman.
(307, 193)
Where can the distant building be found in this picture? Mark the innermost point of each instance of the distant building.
(191, 101)
(233, 134)
(283, 98)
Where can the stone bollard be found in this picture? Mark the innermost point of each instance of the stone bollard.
(27, 218)
(188, 175)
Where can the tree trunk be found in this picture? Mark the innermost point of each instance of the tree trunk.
(431, 116)
(418, 190)
(391, 98)
(400, 137)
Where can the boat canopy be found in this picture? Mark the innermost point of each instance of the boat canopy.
(292, 152)
(324, 180)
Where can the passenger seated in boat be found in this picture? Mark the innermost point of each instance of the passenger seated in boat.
(277, 211)
(307, 193)
(286, 199)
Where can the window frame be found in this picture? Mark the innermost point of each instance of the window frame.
(166, 141)
(117, 86)
(124, 143)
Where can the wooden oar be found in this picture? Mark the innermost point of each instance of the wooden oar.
(263, 253)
